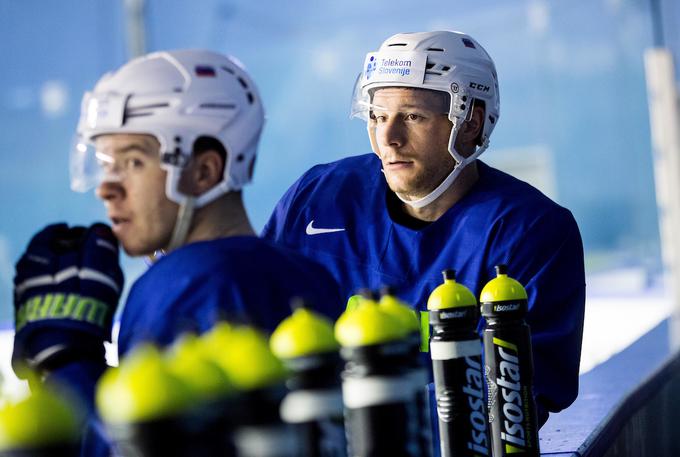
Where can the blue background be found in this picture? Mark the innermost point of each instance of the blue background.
(571, 82)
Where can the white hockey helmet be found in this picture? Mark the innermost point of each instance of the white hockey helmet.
(176, 96)
(445, 61)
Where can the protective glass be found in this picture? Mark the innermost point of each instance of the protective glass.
(408, 108)
(85, 173)
(89, 167)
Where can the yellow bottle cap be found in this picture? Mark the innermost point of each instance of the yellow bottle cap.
(502, 288)
(244, 354)
(41, 419)
(368, 324)
(450, 294)
(186, 360)
(142, 388)
(400, 310)
(303, 333)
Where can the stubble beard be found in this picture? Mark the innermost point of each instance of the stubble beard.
(424, 182)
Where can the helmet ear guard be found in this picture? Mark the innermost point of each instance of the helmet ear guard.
(444, 61)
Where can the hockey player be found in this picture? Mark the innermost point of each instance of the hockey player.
(169, 140)
(422, 202)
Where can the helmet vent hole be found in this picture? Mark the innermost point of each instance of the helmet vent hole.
(204, 70)
(242, 82)
(150, 106)
(446, 68)
(218, 105)
(430, 69)
(145, 113)
(228, 70)
(251, 98)
(396, 44)
(239, 158)
(435, 49)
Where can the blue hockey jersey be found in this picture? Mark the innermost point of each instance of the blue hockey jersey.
(243, 278)
(337, 214)
(240, 278)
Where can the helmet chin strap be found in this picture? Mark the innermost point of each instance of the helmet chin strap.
(187, 205)
(451, 178)
(185, 215)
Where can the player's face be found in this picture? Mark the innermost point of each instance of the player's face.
(141, 215)
(410, 133)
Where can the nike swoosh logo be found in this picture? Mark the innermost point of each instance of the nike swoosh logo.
(311, 230)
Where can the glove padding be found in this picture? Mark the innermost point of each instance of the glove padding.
(66, 289)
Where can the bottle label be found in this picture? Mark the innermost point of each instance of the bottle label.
(512, 413)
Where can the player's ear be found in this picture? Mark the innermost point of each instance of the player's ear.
(203, 172)
(472, 128)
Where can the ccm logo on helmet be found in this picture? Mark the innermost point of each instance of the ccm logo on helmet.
(479, 87)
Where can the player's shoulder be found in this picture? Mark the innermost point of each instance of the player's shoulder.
(233, 257)
(344, 172)
(497, 184)
(221, 252)
(513, 193)
(338, 185)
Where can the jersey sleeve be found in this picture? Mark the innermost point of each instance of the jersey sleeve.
(548, 261)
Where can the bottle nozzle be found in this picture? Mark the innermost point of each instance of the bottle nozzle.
(369, 294)
(449, 274)
(298, 303)
(387, 290)
(501, 269)
(365, 293)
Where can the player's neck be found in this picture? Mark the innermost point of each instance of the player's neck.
(222, 218)
(430, 213)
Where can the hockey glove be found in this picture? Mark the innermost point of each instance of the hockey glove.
(66, 289)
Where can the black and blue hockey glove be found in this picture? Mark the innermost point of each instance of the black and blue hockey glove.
(66, 289)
